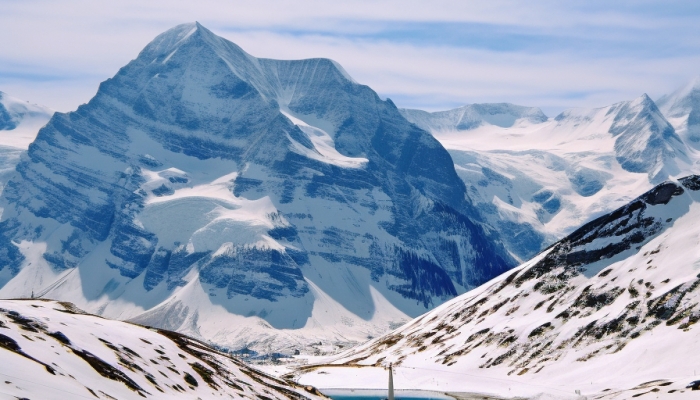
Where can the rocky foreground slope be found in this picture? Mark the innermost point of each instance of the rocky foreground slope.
(611, 307)
(52, 350)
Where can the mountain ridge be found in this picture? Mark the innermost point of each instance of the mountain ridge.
(587, 312)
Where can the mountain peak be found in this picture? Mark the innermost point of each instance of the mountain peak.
(640, 106)
(164, 46)
(645, 100)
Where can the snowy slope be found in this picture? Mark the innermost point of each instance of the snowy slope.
(52, 350)
(538, 180)
(253, 202)
(610, 310)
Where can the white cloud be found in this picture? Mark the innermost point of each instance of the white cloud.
(56, 53)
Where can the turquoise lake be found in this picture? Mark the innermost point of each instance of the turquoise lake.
(370, 394)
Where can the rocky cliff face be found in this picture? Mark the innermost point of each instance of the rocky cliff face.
(201, 178)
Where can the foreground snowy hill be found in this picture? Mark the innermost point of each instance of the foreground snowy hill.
(252, 202)
(537, 179)
(609, 310)
(52, 350)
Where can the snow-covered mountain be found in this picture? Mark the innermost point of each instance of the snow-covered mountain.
(610, 310)
(537, 180)
(20, 122)
(252, 202)
(52, 350)
(472, 116)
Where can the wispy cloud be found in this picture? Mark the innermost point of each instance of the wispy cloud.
(433, 55)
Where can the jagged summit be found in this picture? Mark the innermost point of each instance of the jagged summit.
(644, 141)
(165, 44)
(202, 184)
(266, 75)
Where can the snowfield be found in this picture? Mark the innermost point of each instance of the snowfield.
(52, 350)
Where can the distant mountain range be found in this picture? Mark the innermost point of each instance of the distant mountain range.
(472, 116)
(536, 179)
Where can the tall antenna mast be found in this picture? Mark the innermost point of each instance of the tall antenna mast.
(391, 383)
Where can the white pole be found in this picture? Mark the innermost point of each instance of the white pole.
(391, 383)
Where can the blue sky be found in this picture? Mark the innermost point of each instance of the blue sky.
(431, 55)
